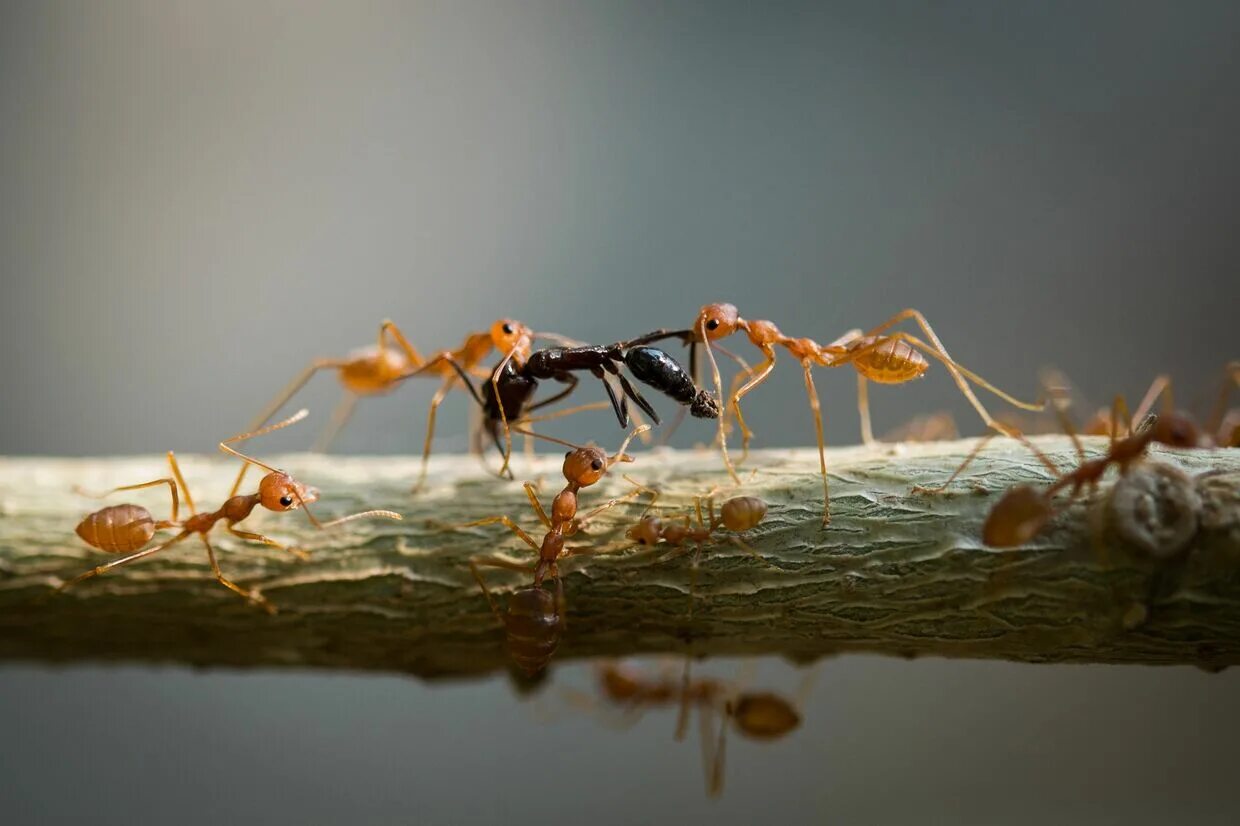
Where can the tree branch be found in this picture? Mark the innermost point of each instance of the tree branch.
(896, 572)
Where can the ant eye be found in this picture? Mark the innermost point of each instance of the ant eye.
(712, 324)
(286, 501)
(567, 453)
(596, 465)
(507, 328)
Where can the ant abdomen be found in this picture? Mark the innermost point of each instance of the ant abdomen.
(742, 513)
(764, 716)
(655, 368)
(118, 529)
(890, 361)
(533, 625)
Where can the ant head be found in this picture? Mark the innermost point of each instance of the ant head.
(280, 492)
(1175, 430)
(763, 716)
(506, 332)
(1016, 518)
(585, 465)
(717, 320)
(645, 532)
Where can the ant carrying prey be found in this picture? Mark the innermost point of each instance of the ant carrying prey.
(878, 356)
(381, 369)
(506, 398)
(129, 528)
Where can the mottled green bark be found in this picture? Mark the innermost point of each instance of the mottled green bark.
(897, 572)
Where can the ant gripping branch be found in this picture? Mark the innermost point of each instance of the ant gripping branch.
(129, 528)
(534, 620)
(1022, 512)
(878, 356)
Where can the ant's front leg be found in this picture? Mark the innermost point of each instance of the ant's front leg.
(250, 536)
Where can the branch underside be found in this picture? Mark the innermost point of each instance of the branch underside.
(896, 572)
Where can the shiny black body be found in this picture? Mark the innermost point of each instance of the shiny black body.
(649, 365)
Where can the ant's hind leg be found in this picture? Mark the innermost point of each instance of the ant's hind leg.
(246, 594)
(436, 400)
(101, 569)
(822, 452)
(172, 487)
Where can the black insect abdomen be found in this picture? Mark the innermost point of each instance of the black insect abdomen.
(515, 390)
(655, 368)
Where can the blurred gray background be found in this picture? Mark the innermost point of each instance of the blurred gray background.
(196, 199)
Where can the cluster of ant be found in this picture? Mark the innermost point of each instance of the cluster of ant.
(534, 616)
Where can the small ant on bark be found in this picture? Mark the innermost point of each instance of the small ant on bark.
(534, 619)
(127, 528)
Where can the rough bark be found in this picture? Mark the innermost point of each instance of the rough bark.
(897, 572)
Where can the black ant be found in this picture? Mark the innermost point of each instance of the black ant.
(128, 528)
(505, 398)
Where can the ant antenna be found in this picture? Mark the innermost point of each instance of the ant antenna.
(362, 515)
(241, 437)
(526, 432)
(620, 455)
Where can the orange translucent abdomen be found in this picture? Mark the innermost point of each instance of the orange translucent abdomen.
(373, 371)
(887, 360)
(118, 529)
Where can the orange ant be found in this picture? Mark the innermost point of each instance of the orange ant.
(380, 369)
(757, 715)
(739, 514)
(128, 528)
(1023, 510)
(885, 358)
(1222, 429)
(534, 620)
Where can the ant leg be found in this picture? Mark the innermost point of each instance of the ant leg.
(863, 409)
(388, 327)
(1231, 377)
(486, 592)
(822, 452)
(340, 417)
(250, 596)
(506, 522)
(361, 515)
(266, 540)
(1160, 387)
(226, 447)
(759, 375)
(172, 488)
(682, 715)
(503, 415)
(570, 379)
(632, 393)
(561, 413)
(176, 473)
(436, 400)
(714, 370)
(968, 460)
(293, 388)
(532, 494)
(122, 561)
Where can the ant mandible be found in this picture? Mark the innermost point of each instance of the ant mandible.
(878, 356)
(129, 528)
